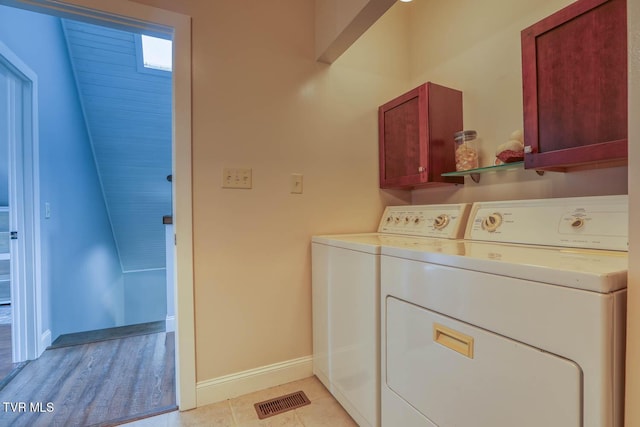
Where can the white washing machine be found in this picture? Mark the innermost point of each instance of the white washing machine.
(523, 325)
(346, 299)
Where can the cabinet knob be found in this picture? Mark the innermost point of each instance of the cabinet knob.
(528, 149)
(421, 169)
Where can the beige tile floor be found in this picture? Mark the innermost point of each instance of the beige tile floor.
(323, 411)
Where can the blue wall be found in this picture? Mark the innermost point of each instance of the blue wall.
(82, 278)
(142, 301)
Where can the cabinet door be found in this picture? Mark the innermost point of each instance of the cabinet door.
(416, 137)
(574, 65)
(403, 133)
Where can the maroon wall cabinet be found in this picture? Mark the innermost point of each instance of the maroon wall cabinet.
(416, 137)
(574, 70)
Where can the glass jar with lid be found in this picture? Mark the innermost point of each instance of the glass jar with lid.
(466, 150)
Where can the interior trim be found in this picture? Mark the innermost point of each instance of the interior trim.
(234, 385)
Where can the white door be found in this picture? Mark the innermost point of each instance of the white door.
(18, 119)
(5, 291)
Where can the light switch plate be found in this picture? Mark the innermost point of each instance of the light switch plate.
(236, 178)
(296, 183)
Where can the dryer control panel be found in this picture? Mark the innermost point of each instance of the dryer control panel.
(599, 222)
(443, 221)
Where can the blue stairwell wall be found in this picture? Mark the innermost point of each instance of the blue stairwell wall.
(82, 279)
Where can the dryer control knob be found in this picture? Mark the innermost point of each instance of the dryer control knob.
(492, 222)
(441, 221)
(577, 222)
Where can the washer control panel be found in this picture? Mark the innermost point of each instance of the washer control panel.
(599, 222)
(444, 221)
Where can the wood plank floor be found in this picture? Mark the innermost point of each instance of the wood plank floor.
(6, 366)
(8, 369)
(96, 384)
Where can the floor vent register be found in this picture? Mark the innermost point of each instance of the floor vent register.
(278, 405)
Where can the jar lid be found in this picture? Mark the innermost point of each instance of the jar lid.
(465, 134)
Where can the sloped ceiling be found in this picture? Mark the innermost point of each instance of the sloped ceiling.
(128, 114)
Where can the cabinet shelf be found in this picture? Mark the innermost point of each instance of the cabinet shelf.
(475, 173)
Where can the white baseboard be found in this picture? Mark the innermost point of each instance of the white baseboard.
(170, 324)
(234, 385)
(45, 341)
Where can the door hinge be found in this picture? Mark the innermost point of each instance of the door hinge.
(14, 235)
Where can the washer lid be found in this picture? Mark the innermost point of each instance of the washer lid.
(593, 270)
(372, 242)
(365, 242)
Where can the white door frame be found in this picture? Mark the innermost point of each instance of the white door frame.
(130, 16)
(28, 338)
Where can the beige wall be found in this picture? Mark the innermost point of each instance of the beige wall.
(480, 55)
(339, 23)
(260, 100)
(331, 18)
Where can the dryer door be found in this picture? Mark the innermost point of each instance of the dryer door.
(455, 374)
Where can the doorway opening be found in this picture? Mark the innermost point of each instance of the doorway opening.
(119, 14)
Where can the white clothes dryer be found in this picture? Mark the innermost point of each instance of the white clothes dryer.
(523, 325)
(346, 300)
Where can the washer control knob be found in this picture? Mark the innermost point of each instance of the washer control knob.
(441, 221)
(492, 222)
(577, 223)
(397, 220)
(406, 220)
(416, 220)
(389, 219)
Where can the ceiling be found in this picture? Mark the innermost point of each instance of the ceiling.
(127, 111)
